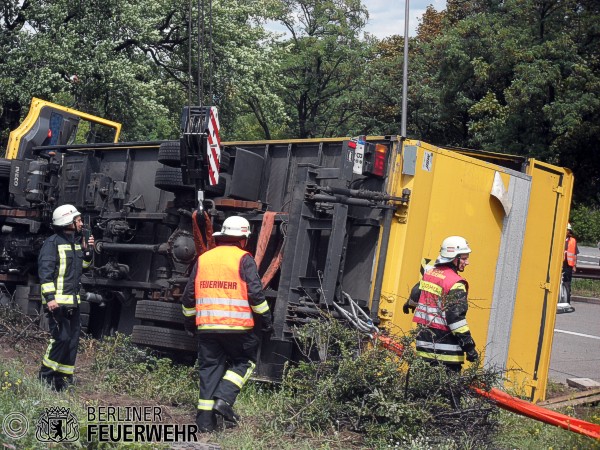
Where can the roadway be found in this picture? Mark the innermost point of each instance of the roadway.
(588, 255)
(576, 344)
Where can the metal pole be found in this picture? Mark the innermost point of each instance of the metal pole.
(405, 71)
(200, 52)
(210, 55)
(190, 76)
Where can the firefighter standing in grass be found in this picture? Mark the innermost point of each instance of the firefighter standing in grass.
(61, 261)
(220, 301)
(440, 305)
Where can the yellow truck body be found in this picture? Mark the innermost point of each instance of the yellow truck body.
(515, 223)
(512, 210)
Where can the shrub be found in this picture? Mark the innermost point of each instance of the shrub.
(366, 388)
(586, 224)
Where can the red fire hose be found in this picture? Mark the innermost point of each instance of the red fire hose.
(516, 405)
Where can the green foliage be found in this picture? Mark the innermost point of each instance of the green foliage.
(123, 368)
(586, 288)
(371, 391)
(357, 397)
(514, 77)
(135, 67)
(517, 432)
(586, 224)
(322, 65)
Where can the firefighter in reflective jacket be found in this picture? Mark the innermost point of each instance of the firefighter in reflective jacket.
(220, 303)
(439, 302)
(61, 261)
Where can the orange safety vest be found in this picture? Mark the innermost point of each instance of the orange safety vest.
(221, 294)
(435, 285)
(571, 251)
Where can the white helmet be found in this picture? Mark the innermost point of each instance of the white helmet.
(64, 215)
(234, 226)
(569, 227)
(452, 246)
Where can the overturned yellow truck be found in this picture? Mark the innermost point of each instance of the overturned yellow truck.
(513, 212)
(347, 221)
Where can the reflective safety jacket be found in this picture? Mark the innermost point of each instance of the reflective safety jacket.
(60, 264)
(221, 291)
(441, 312)
(571, 251)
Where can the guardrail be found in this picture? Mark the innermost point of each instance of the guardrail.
(587, 272)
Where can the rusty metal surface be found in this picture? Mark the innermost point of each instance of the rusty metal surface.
(17, 212)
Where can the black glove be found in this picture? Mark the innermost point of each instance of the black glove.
(472, 355)
(190, 326)
(58, 313)
(266, 323)
(407, 306)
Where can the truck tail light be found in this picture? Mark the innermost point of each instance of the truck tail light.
(375, 162)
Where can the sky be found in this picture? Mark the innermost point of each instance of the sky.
(386, 17)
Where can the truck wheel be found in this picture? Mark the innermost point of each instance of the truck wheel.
(163, 338)
(159, 311)
(85, 322)
(225, 161)
(84, 315)
(218, 190)
(170, 179)
(169, 154)
(84, 307)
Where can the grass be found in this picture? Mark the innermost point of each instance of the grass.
(274, 416)
(21, 392)
(585, 288)
(23, 397)
(517, 432)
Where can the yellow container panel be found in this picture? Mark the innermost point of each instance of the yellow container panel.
(497, 210)
(541, 268)
(450, 195)
(35, 121)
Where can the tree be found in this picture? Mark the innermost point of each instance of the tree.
(105, 66)
(324, 58)
(246, 70)
(12, 20)
(134, 65)
(520, 77)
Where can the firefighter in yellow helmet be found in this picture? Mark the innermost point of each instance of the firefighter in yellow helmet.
(61, 260)
(221, 301)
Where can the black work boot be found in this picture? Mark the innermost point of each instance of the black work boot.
(48, 381)
(206, 421)
(223, 408)
(59, 384)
